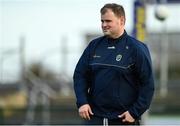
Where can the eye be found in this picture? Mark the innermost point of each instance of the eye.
(106, 21)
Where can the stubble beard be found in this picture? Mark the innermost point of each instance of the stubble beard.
(106, 33)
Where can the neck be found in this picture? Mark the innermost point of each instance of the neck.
(118, 35)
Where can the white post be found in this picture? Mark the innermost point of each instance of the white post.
(161, 14)
(164, 64)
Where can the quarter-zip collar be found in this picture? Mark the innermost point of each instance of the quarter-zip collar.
(111, 40)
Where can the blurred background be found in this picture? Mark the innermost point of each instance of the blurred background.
(42, 40)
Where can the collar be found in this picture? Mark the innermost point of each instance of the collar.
(110, 40)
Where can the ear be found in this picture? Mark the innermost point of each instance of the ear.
(122, 18)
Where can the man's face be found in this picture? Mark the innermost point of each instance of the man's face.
(111, 24)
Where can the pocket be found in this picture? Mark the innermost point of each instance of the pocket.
(125, 69)
(128, 69)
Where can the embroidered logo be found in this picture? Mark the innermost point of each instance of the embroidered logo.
(127, 47)
(118, 57)
(111, 47)
(96, 56)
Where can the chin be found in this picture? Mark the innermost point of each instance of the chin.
(106, 33)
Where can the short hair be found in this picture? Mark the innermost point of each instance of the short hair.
(117, 9)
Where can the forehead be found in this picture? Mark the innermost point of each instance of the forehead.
(108, 14)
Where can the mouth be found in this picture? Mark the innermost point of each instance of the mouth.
(105, 30)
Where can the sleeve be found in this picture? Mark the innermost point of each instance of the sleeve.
(146, 82)
(81, 78)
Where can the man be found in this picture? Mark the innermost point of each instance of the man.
(113, 80)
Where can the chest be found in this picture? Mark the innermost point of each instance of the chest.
(119, 55)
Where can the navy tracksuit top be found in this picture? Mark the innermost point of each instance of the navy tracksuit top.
(114, 76)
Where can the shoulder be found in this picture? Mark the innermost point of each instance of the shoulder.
(136, 44)
(140, 49)
(97, 40)
(93, 43)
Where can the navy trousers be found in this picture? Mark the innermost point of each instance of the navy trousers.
(104, 121)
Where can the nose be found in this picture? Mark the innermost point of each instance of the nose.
(104, 24)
